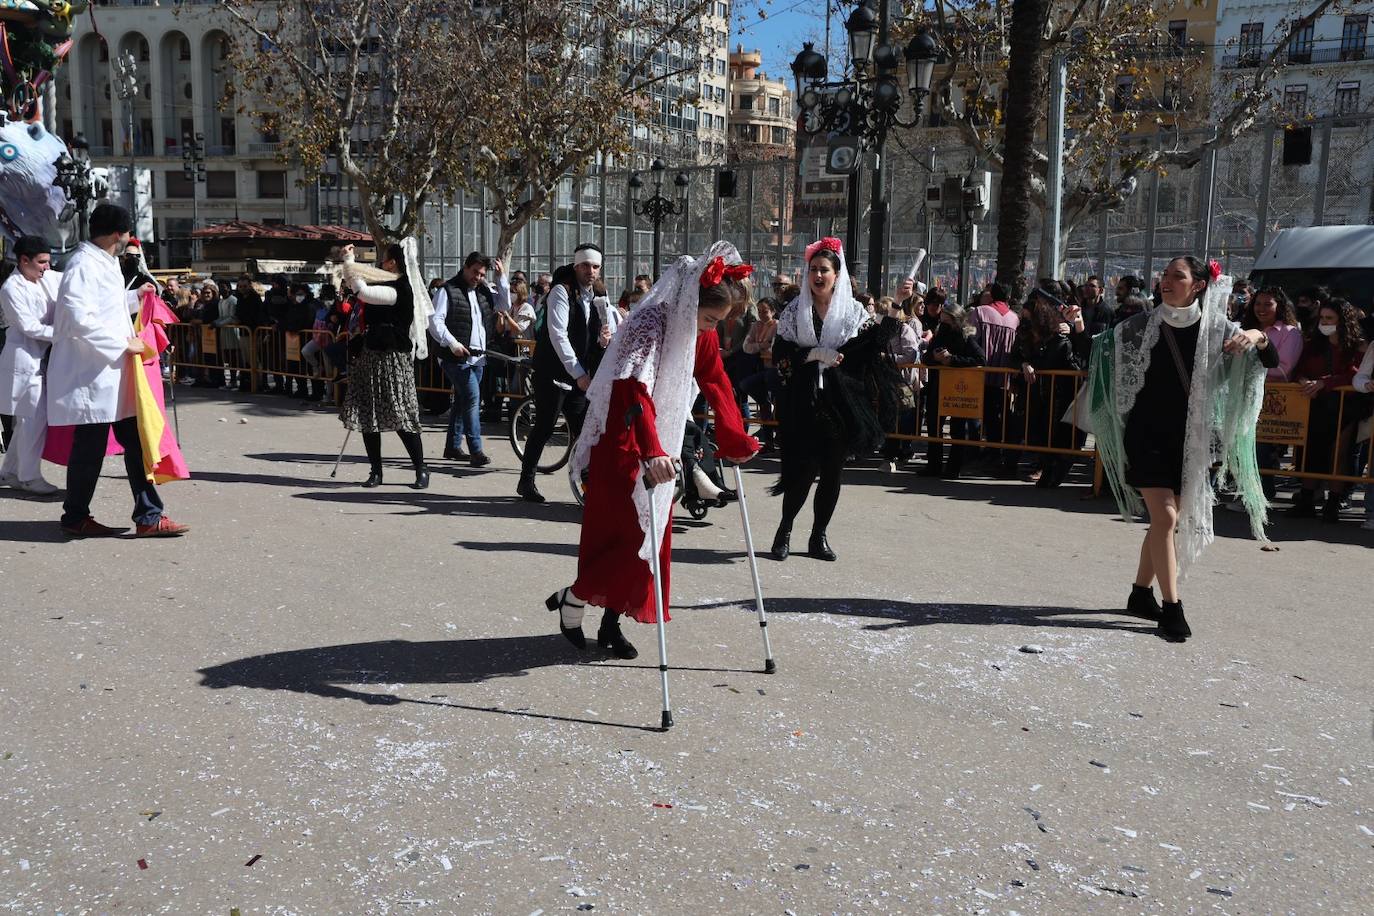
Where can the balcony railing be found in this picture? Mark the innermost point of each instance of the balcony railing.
(263, 149)
(1318, 52)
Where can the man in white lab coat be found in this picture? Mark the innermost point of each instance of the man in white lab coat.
(26, 300)
(90, 383)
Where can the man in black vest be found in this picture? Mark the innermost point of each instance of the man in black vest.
(464, 320)
(567, 350)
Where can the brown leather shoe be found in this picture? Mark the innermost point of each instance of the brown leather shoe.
(90, 528)
(162, 528)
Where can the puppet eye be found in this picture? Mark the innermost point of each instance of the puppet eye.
(8, 152)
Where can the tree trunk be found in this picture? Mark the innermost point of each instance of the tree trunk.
(1025, 101)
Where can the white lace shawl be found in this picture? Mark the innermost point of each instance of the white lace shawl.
(656, 345)
(1207, 433)
(419, 293)
(841, 322)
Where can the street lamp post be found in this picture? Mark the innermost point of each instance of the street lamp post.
(658, 208)
(193, 167)
(859, 110)
(126, 87)
(75, 179)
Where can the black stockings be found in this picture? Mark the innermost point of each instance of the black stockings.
(825, 461)
(373, 443)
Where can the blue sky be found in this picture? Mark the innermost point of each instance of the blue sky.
(780, 35)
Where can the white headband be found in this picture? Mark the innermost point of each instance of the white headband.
(587, 256)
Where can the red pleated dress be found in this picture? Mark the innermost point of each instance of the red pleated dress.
(610, 572)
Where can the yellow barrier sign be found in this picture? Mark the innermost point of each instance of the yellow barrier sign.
(961, 393)
(293, 347)
(1283, 417)
(209, 340)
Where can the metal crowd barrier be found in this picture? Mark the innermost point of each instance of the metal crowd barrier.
(256, 352)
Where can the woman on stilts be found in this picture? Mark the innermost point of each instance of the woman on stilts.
(1173, 393)
(839, 396)
(381, 367)
(638, 406)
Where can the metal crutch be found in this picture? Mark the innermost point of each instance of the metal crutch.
(335, 472)
(172, 392)
(769, 666)
(654, 565)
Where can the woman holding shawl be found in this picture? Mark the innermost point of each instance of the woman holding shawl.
(638, 407)
(839, 392)
(1173, 392)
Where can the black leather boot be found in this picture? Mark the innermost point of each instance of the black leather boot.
(818, 547)
(421, 478)
(782, 543)
(1305, 506)
(1142, 603)
(527, 491)
(612, 640)
(1173, 626)
(374, 478)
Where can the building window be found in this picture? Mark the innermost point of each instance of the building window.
(1353, 35)
(1347, 97)
(1125, 90)
(746, 103)
(1168, 199)
(272, 185)
(1300, 46)
(780, 136)
(221, 184)
(1295, 100)
(177, 184)
(184, 48)
(1251, 44)
(774, 105)
(1178, 32)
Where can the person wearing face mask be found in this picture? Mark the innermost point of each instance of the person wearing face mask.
(1171, 393)
(830, 354)
(1330, 359)
(88, 378)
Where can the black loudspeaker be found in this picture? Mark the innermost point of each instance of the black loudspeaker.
(1297, 146)
(726, 183)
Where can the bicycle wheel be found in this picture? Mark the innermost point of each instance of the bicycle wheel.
(557, 450)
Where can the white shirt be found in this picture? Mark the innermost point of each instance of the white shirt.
(438, 327)
(91, 329)
(1362, 378)
(26, 306)
(556, 316)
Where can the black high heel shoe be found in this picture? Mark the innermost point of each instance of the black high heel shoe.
(557, 602)
(374, 479)
(421, 480)
(819, 548)
(612, 640)
(782, 544)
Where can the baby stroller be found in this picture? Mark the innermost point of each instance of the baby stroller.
(699, 486)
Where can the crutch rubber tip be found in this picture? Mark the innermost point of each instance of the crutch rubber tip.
(770, 667)
(667, 720)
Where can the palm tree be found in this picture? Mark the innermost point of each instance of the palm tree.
(1025, 107)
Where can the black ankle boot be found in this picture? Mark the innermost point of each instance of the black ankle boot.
(818, 547)
(563, 601)
(1331, 509)
(782, 544)
(1305, 506)
(374, 478)
(1142, 603)
(612, 640)
(421, 479)
(527, 491)
(1173, 626)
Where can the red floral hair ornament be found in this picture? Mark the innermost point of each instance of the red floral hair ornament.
(1213, 269)
(718, 270)
(829, 243)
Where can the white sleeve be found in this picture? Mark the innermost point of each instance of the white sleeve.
(25, 315)
(556, 317)
(1362, 377)
(372, 295)
(501, 296)
(438, 328)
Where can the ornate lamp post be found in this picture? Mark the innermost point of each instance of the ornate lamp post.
(193, 167)
(658, 208)
(76, 181)
(858, 110)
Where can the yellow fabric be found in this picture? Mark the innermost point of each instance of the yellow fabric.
(151, 422)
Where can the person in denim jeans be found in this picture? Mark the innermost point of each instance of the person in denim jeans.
(464, 322)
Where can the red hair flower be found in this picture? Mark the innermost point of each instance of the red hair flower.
(829, 243)
(718, 270)
(1213, 269)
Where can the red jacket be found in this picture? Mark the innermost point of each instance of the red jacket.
(1326, 363)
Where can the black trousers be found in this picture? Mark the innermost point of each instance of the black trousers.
(83, 471)
(549, 399)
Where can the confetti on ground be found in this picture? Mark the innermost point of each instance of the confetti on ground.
(250, 862)
(444, 861)
(142, 864)
(220, 811)
(1032, 649)
(662, 804)
(149, 814)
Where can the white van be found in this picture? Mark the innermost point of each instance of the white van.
(1341, 258)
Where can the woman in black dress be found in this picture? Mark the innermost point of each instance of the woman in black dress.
(381, 369)
(839, 391)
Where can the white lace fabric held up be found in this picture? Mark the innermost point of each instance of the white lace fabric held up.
(656, 346)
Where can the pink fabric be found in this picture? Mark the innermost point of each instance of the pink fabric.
(1287, 341)
(154, 318)
(1002, 307)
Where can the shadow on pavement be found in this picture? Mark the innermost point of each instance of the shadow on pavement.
(899, 614)
(322, 670)
(34, 532)
(424, 501)
(569, 549)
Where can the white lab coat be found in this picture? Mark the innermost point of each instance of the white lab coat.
(28, 310)
(88, 381)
